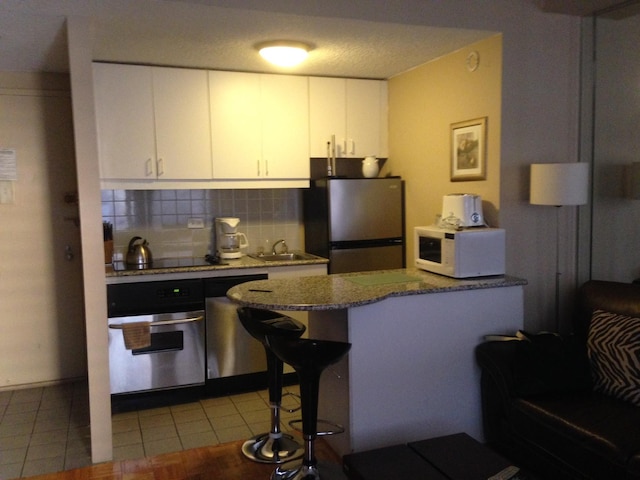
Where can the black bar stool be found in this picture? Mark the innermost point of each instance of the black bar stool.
(273, 446)
(309, 358)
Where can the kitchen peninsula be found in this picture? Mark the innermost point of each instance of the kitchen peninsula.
(410, 373)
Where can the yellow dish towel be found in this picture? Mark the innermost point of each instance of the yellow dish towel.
(136, 335)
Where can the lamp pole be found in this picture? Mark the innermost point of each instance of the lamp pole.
(558, 273)
(559, 184)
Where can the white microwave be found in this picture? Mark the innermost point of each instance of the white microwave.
(472, 252)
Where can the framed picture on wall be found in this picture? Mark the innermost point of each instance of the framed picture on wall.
(469, 150)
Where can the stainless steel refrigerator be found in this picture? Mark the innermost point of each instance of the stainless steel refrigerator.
(357, 223)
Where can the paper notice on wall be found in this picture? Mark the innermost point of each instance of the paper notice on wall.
(8, 164)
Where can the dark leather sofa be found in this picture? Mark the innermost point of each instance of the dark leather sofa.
(539, 405)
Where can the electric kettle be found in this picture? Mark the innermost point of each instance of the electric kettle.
(139, 254)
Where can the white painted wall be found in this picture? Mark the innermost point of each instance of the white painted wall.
(95, 295)
(616, 219)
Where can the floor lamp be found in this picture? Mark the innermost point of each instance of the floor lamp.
(559, 184)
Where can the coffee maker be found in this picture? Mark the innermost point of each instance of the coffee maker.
(229, 241)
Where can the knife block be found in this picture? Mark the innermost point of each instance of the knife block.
(108, 252)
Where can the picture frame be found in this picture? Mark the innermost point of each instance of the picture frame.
(469, 150)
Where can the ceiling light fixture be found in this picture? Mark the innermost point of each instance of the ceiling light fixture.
(284, 53)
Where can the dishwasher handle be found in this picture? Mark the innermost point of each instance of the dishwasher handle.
(162, 323)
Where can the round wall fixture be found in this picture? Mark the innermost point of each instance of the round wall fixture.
(473, 60)
(283, 52)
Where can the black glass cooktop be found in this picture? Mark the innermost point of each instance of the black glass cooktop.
(159, 263)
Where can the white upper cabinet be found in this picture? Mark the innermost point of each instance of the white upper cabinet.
(235, 124)
(352, 111)
(366, 118)
(153, 123)
(327, 114)
(181, 100)
(124, 116)
(259, 126)
(161, 127)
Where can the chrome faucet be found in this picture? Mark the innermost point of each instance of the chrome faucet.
(285, 249)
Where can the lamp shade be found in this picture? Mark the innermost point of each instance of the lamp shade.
(559, 184)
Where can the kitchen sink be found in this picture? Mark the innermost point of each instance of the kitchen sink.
(282, 257)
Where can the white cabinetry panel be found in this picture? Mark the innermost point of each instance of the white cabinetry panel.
(181, 100)
(235, 124)
(351, 110)
(153, 123)
(124, 111)
(259, 126)
(327, 113)
(285, 126)
(366, 115)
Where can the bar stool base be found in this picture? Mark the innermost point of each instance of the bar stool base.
(297, 471)
(265, 449)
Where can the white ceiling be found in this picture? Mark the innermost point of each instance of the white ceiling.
(210, 34)
(190, 33)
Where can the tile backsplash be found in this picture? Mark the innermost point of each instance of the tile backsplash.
(162, 216)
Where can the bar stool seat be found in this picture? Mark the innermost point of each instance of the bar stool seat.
(274, 446)
(309, 358)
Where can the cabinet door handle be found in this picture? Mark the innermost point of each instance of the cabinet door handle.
(148, 167)
(258, 167)
(160, 167)
(353, 146)
(266, 168)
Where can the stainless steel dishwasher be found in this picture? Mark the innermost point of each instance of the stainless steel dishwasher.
(235, 360)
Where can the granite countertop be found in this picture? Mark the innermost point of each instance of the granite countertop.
(332, 292)
(118, 269)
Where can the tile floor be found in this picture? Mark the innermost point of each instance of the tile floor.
(45, 430)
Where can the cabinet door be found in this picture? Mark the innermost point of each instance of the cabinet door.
(327, 114)
(364, 114)
(124, 115)
(285, 126)
(181, 101)
(235, 124)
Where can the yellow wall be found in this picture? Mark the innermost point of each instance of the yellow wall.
(423, 103)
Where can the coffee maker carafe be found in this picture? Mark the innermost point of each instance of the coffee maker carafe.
(229, 241)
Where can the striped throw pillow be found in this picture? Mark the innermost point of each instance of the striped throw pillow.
(613, 346)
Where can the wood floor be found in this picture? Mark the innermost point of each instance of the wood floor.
(219, 462)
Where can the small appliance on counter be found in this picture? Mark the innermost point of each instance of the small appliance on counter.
(460, 253)
(462, 210)
(138, 254)
(229, 242)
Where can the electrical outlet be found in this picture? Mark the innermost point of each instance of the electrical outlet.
(195, 223)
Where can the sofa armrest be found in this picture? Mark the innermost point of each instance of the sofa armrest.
(536, 364)
(543, 364)
(497, 360)
(498, 384)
